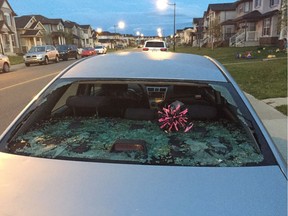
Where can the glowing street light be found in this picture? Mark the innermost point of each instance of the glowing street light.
(99, 30)
(120, 25)
(162, 5)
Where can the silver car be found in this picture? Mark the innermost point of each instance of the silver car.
(143, 133)
(4, 63)
(41, 55)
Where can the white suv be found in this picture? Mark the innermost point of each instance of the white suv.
(155, 45)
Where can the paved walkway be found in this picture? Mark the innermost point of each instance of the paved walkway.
(274, 102)
(274, 121)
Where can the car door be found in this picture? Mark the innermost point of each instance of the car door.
(53, 52)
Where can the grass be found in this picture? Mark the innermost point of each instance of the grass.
(262, 79)
(283, 109)
(265, 79)
(16, 60)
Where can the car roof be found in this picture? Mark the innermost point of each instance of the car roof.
(147, 65)
(154, 40)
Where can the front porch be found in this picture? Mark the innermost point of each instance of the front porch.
(244, 38)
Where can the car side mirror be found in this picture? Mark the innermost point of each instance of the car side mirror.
(48, 50)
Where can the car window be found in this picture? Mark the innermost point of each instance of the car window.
(37, 49)
(112, 122)
(154, 44)
(62, 47)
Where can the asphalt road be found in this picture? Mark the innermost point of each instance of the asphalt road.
(21, 84)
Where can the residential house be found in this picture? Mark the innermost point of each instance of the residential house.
(74, 33)
(257, 23)
(219, 25)
(186, 36)
(94, 37)
(198, 25)
(55, 33)
(109, 39)
(87, 39)
(8, 35)
(30, 32)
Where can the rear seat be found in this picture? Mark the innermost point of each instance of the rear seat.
(86, 105)
(140, 114)
(202, 112)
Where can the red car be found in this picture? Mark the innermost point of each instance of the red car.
(88, 51)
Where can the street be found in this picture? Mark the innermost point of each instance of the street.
(21, 84)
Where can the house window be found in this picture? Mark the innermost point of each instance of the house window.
(13, 40)
(274, 3)
(8, 19)
(257, 3)
(266, 27)
(240, 9)
(246, 7)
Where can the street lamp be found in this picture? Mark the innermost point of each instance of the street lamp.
(161, 5)
(120, 25)
(159, 32)
(138, 35)
(99, 30)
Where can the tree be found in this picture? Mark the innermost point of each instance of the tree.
(282, 26)
(69, 38)
(214, 31)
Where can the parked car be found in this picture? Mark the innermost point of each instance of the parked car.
(120, 46)
(4, 63)
(101, 49)
(88, 51)
(41, 55)
(141, 134)
(80, 50)
(155, 45)
(67, 51)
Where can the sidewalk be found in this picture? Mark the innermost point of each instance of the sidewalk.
(274, 121)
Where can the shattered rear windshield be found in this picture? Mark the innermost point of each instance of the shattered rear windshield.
(208, 144)
(138, 123)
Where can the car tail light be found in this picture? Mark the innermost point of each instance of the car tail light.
(145, 49)
(163, 49)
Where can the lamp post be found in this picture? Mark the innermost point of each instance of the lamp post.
(161, 4)
(138, 37)
(120, 25)
(174, 26)
(99, 31)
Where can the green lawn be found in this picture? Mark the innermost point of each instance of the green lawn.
(16, 60)
(283, 109)
(261, 78)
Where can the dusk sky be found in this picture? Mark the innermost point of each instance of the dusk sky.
(138, 15)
